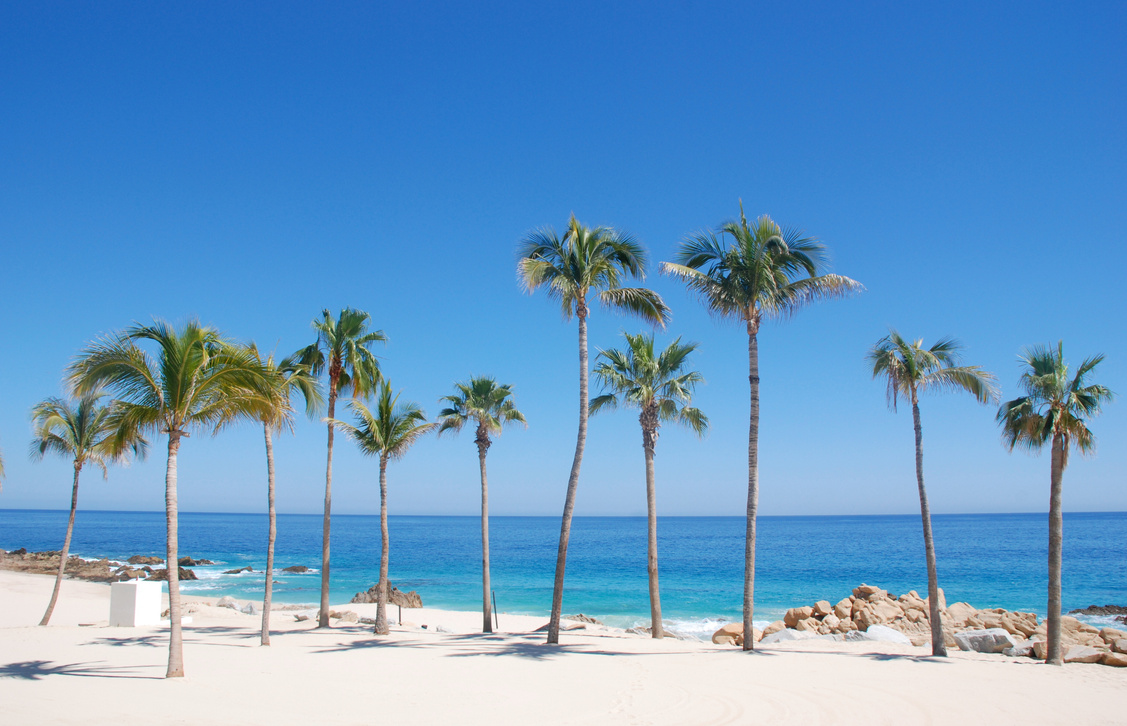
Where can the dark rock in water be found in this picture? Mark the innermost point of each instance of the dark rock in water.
(581, 618)
(162, 574)
(20, 551)
(1101, 610)
(296, 568)
(145, 560)
(189, 562)
(248, 568)
(147, 569)
(128, 573)
(397, 597)
(1122, 619)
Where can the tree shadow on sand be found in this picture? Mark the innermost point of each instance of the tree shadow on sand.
(35, 670)
(462, 646)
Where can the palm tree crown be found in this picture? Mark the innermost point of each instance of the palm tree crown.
(344, 349)
(483, 401)
(390, 430)
(1053, 403)
(86, 431)
(911, 369)
(654, 383)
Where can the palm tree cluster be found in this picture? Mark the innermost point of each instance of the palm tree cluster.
(156, 379)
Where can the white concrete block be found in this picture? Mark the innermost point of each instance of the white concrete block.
(135, 603)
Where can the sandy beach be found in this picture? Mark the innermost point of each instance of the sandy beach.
(79, 670)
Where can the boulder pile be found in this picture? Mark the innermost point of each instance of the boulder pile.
(103, 570)
(396, 597)
(991, 630)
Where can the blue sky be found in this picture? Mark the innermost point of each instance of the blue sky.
(251, 164)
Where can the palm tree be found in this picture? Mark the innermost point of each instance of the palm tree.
(275, 413)
(196, 381)
(661, 389)
(344, 349)
(388, 433)
(765, 272)
(86, 432)
(585, 261)
(1054, 409)
(910, 370)
(490, 406)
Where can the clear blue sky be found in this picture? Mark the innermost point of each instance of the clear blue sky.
(249, 164)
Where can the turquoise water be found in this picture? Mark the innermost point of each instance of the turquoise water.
(989, 560)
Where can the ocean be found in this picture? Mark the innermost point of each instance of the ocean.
(988, 560)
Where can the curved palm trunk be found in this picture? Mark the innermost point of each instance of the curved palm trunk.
(66, 548)
(572, 482)
(938, 647)
(1053, 653)
(270, 538)
(752, 483)
(381, 609)
(486, 608)
(323, 615)
(175, 637)
(656, 630)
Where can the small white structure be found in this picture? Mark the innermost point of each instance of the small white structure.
(135, 603)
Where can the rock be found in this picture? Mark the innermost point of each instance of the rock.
(862, 592)
(844, 609)
(822, 608)
(992, 640)
(1110, 635)
(795, 614)
(730, 634)
(189, 562)
(1101, 610)
(1021, 649)
(128, 573)
(1082, 654)
(251, 608)
(884, 634)
(773, 628)
(397, 597)
(20, 551)
(296, 568)
(875, 613)
(227, 602)
(1119, 660)
(786, 635)
(302, 617)
(1120, 646)
(666, 632)
(162, 574)
(912, 602)
(1020, 624)
(239, 570)
(350, 617)
(831, 621)
(581, 618)
(958, 613)
(810, 624)
(145, 560)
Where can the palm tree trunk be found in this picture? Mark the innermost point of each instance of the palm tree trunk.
(752, 483)
(384, 590)
(172, 561)
(1053, 654)
(486, 609)
(323, 615)
(270, 538)
(938, 646)
(651, 551)
(572, 482)
(66, 548)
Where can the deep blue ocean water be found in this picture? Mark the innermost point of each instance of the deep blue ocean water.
(989, 560)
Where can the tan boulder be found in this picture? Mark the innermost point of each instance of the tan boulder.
(822, 608)
(863, 591)
(796, 614)
(846, 625)
(916, 616)
(1120, 646)
(1082, 654)
(1119, 660)
(1110, 635)
(730, 634)
(810, 623)
(774, 628)
(844, 609)
(958, 613)
(1072, 625)
(876, 613)
(1017, 623)
(942, 600)
(912, 601)
(831, 621)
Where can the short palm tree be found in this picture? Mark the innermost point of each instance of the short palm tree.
(585, 262)
(87, 432)
(387, 433)
(661, 388)
(195, 381)
(753, 273)
(1054, 410)
(344, 351)
(275, 413)
(909, 370)
(490, 407)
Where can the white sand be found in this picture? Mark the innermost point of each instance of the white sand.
(70, 674)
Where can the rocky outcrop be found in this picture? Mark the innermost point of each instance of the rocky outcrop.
(145, 560)
(733, 634)
(1101, 610)
(189, 562)
(581, 618)
(991, 640)
(162, 574)
(296, 569)
(396, 597)
(239, 570)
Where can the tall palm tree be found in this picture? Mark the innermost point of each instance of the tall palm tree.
(490, 406)
(195, 381)
(344, 350)
(276, 413)
(388, 433)
(909, 370)
(584, 262)
(753, 273)
(87, 432)
(658, 385)
(1054, 410)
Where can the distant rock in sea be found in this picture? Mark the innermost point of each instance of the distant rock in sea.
(1101, 610)
(296, 569)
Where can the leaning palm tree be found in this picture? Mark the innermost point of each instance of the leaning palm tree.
(1054, 410)
(584, 262)
(660, 387)
(490, 407)
(764, 272)
(388, 433)
(195, 381)
(276, 413)
(86, 432)
(344, 350)
(909, 370)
